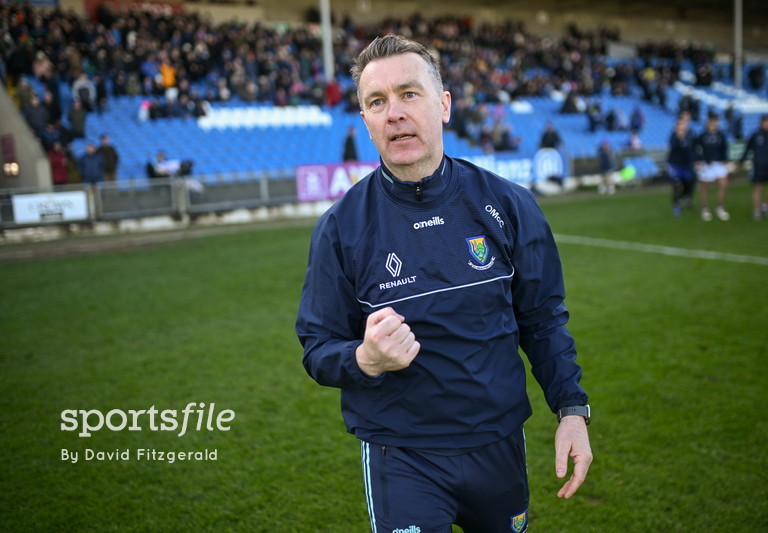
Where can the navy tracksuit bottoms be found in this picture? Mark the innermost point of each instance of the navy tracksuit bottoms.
(482, 491)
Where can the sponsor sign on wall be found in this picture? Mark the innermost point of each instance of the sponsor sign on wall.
(50, 207)
(329, 181)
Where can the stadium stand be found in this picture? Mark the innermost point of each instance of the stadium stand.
(239, 137)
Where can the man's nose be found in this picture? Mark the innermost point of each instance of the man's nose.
(395, 111)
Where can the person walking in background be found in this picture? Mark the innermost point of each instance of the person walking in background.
(110, 156)
(350, 147)
(606, 160)
(91, 165)
(711, 158)
(680, 160)
(423, 282)
(757, 145)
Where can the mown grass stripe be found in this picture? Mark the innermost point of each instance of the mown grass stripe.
(663, 250)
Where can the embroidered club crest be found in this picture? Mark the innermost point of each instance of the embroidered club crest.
(478, 248)
(519, 522)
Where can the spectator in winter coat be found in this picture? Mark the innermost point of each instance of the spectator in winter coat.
(58, 158)
(76, 118)
(36, 115)
(84, 91)
(91, 165)
(110, 156)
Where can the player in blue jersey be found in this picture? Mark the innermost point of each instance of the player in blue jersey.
(680, 159)
(424, 281)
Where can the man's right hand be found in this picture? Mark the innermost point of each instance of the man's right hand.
(388, 345)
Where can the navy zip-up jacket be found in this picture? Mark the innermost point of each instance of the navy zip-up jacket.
(681, 151)
(758, 145)
(712, 147)
(470, 262)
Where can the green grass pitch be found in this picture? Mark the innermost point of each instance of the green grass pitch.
(674, 350)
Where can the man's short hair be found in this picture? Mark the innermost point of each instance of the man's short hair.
(394, 45)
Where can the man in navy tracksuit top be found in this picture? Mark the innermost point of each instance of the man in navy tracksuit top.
(423, 281)
(757, 145)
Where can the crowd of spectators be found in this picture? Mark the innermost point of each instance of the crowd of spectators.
(180, 63)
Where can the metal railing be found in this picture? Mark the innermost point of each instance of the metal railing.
(132, 199)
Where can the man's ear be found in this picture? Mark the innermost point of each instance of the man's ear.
(362, 114)
(445, 101)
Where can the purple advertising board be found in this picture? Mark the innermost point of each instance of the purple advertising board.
(329, 181)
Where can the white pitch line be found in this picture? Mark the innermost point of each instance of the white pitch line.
(663, 250)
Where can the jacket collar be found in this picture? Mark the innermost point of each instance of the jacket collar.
(417, 192)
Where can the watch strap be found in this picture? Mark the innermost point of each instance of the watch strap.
(574, 410)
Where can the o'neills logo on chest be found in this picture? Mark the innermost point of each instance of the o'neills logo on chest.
(434, 221)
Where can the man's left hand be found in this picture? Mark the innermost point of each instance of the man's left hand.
(572, 440)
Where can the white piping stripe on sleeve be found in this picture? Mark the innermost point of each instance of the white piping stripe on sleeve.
(365, 454)
(369, 304)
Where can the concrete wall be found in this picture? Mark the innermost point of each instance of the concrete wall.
(34, 167)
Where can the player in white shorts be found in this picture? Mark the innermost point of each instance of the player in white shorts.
(711, 157)
(712, 171)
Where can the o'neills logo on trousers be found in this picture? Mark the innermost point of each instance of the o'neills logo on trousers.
(411, 529)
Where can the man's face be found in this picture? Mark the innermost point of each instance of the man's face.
(404, 114)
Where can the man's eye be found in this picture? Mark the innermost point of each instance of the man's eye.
(410, 94)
